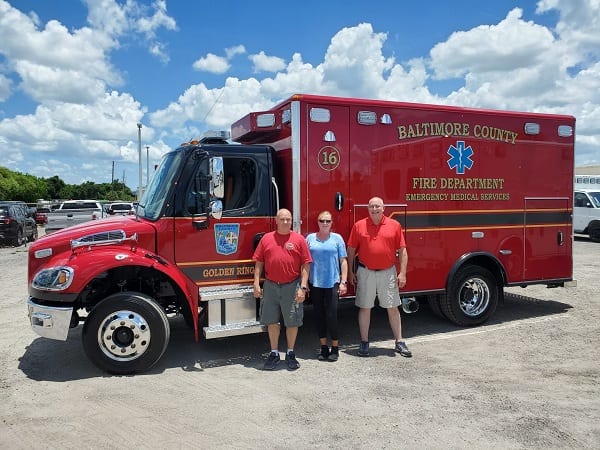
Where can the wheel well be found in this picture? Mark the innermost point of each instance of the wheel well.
(485, 260)
(146, 280)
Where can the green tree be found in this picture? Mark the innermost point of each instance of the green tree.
(28, 188)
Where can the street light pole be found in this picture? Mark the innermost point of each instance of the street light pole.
(147, 165)
(139, 125)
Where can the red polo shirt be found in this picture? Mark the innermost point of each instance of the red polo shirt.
(376, 245)
(283, 255)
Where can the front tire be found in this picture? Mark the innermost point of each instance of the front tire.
(594, 232)
(34, 235)
(126, 333)
(472, 296)
(434, 305)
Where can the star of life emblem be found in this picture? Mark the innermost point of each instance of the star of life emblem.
(460, 157)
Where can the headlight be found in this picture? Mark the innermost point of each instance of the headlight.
(54, 279)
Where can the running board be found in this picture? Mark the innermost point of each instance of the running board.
(232, 311)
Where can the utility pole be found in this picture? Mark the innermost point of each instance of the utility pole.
(139, 125)
(147, 165)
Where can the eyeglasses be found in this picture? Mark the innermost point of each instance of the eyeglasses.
(324, 221)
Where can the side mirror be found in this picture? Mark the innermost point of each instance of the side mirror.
(216, 209)
(217, 177)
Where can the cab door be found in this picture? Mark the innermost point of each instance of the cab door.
(218, 251)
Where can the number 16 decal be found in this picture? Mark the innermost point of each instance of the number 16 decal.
(329, 158)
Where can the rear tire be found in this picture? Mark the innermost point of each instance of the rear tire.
(18, 240)
(126, 333)
(472, 296)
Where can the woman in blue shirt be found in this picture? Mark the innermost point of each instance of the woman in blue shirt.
(327, 281)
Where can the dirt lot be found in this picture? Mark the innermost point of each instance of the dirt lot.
(529, 378)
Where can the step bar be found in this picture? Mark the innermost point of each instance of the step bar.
(232, 311)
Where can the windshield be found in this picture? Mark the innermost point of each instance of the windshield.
(154, 198)
(595, 198)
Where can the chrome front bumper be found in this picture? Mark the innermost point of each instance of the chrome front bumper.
(51, 322)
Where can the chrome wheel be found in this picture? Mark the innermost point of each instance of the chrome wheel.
(124, 335)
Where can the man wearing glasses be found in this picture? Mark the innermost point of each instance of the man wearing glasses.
(378, 241)
(285, 258)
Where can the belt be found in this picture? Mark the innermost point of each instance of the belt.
(365, 267)
(282, 284)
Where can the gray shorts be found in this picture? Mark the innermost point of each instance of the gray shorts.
(382, 284)
(280, 300)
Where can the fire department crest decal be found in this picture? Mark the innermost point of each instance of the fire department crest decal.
(226, 238)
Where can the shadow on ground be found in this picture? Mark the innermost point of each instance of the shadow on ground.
(58, 361)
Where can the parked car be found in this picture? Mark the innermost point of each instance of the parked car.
(41, 216)
(73, 212)
(121, 209)
(16, 225)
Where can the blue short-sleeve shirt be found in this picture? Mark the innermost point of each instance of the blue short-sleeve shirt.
(325, 268)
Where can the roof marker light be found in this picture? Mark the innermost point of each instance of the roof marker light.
(320, 115)
(367, 118)
(565, 130)
(265, 120)
(532, 128)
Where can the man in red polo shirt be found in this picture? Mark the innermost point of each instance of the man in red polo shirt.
(379, 243)
(285, 258)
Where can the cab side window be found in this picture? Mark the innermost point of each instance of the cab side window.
(240, 183)
(580, 200)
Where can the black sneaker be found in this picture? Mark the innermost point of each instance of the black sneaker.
(403, 349)
(324, 353)
(272, 361)
(291, 361)
(363, 349)
(334, 354)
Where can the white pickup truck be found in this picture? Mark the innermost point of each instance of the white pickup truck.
(586, 212)
(73, 212)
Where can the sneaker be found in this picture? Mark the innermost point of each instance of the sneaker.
(334, 354)
(324, 353)
(291, 361)
(272, 361)
(363, 349)
(403, 349)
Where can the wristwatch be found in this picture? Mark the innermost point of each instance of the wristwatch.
(304, 288)
(344, 282)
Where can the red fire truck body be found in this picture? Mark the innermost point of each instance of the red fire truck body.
(484, 198)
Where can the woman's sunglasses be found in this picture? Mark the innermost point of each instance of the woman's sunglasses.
(324, 221)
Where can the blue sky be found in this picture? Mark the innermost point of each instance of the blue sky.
(76, 76)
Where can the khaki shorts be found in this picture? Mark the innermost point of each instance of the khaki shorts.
(280, 300)
(382, 284)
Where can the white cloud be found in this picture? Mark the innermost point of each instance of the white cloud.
(212, 63)
(5, 87)
(233, 51)
(264, 63)
(510, 45)
(117, 20)
(514, 64)
(160, 18)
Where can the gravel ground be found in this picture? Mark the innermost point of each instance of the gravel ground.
(528, 378)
